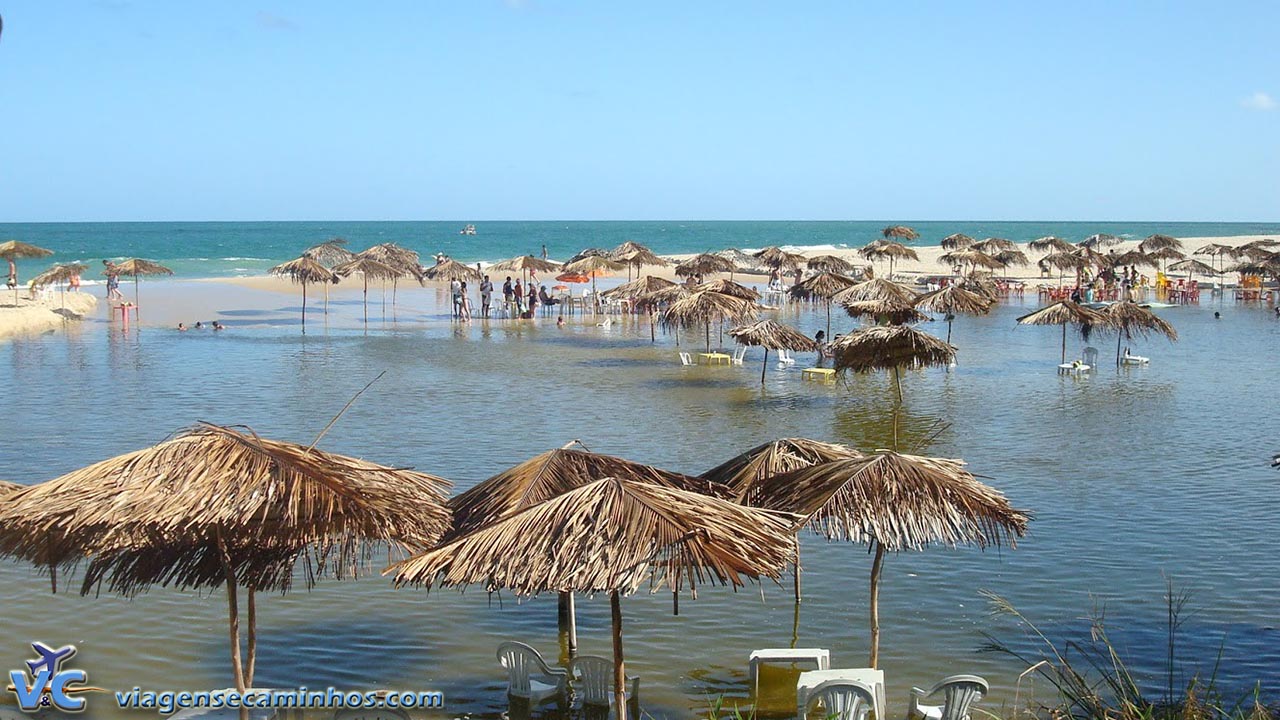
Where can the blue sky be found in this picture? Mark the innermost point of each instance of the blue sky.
(541, 109)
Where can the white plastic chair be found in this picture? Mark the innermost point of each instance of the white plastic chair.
(606, 323)
(1090, 356)
(1129, 359)
(784, 357)
(738, 354)
(959, 693)
(528, 675)
(686, 358)
(593, 683)
(840, 700)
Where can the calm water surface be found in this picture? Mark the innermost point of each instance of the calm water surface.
(1132, 475)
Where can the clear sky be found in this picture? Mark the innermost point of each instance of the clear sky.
(546, 109)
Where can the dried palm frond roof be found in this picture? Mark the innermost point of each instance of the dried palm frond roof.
(876, 289)
(994, 245)
(956, 241)
(137, 266)
(635, 254)
(627, 248)
(450, 269)
(1050, 243)
(639, 286)
(729, 287)
(7, 487)
(553, 473)
(881, 249)
(612, 535)
(1166, 254)
(1269, 265)
(57, 274)
(831, 264)
(1099, 240)
(12, 249)
(662, 296)
(593, 263)
(954, 299)
(525, 262)
(884, 347)
(1128, 317)
(1064, 312)
(1159, 242)
(1214, 249)
(891, 311)
(304, 270)
(1065, 260)
(393, 255)
(970, 256)
(370, 268)
(704, 264)
(900, 231)
(902, 502)
(1010, 258)
(742, 473)
(773, 335)
(159, 514)
(824, 285)
(1132, 257)
(776, 257)
(589, 252)
(737, 257)
(1193, 265)
(704, 306)
(329, 252)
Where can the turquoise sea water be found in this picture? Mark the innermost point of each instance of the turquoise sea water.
(225, 249)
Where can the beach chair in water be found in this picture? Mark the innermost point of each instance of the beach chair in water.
(959, 693)
(686, 358)
(738, 354)
(593, 683)
(840, 700)
(784, 358)
(1090, 356)
(528, 675)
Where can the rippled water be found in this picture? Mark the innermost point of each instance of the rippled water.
(1133, 475)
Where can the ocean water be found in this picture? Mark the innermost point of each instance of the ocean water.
(1134, 475)
(224, 249)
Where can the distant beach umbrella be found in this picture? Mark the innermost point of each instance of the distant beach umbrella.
(894, 502)
(1050, 244)
(588, 252)
(59, 275)
(639, 286)
(1127, 318)
(368, 268)
(970, 257)
(729, 287)
(400, 258)
(7, 487)
(593, 265)
(449, 269)
(876, 289)
(1264, 266)
(824, 285)
(635, 256)
(901, 232)
(1131, 257)
(1011, 258)
(705, 307)
(612, 536)
(1256, 250)
(831, 264)
(779, 259)
(891, 312)
(993, 245)
(772, 335)
(524, 263)
(1099, 240)
(738, 257)
(1192, 266)
(1216, 251)
(953, 299)
(1159, 242)
(705, 264)
(957, 241)
(13, 250)
(138, 267)
(329, 253)
(1064, 313)
(305, 270)
(887, 250)
(217, 506)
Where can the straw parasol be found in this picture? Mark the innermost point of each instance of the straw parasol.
(1166, 254)
(1192, 266)
(772, 335)
(1216, 251)
(970, 256)
(1011, 258)
(777, 258)
(953, 299)
(7, 487)
(876, 289)
(894, 502)
(890, 347)
(893, 312)
(59, 274)
(738, 257)
(704, 307)
(1049, 243)
(884, 249)
(12, 250)
(993, 245)
(639, 286)
(524, 263)
(1127, 317)
(830, 264)
(1132, 257)
(329, 253)
(221, 506)
(1064, 313)
(138, 267)
(368, 268)
(635, 255)
(704, 264)
(824, 285)
(450, 269)
(400, 258)
(651, 300)
(1159, 242)
(1098, 240)
(729, 287)
(901, 232)
(593, 265)
(305, 270)
(589, 252)
(956, 241)
(612, 536)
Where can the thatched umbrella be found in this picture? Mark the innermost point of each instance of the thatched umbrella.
(705, 307)
(892, 251)
(830, 264)
(895, 502)
(1216, 251)
(12, 250)
(593, 265)
(1132, 257)
(953, 299)
(138, 267)
(738, 257)
(305, 270)
(824, 285)
(1049, 243)
(972, 257)
(1166, 254)
(524, 264)
(705, 264)
(635, 255)
(1127, 317)
(589, 252)
(1011, 258)
(777, 258)
(367, 268)
(729, 287)
(1064, 313)
(890, 347)
(400, 258)
(993, 245)
(612, 536)
(7, 487)
(638, 288)
(1159, 242)
(893, 312)
(654, 299)
(450, 269)
(772, 335)
(901, 232)
(956, 241)
(1099, 240)
(1192, 266)
(219, 506)
(58, 274)
(329, 253)
(876, 289)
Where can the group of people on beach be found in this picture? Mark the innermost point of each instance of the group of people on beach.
(519, 300)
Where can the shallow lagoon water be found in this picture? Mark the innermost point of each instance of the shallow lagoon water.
(1133, 475)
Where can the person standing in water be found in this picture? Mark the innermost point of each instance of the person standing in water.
(486, 296)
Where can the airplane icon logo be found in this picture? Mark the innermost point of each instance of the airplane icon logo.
(50, 658)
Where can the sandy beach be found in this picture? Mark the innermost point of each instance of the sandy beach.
(46, 313)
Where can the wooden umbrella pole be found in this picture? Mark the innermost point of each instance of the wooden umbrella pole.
(948, 329)
(252, 639)
(366, 299)
(304, 307)
(797, 571)
(828, 318)
(233, 611)
(619, 672)
(765, 365)
(875, 605)
(653, 336)
(1064, 342)
(708, 335)
(1119, 337)
(326, 298)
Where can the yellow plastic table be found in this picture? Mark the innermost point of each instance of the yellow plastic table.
(817, 373)
(713, 358)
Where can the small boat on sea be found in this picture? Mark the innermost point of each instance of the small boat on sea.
(467, 230)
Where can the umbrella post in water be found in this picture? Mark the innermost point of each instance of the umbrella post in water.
(11, 250)
(138, 267)
(1065, 312)
(771, 334)
(1125, 317)
(367, 266)
(304, 270)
